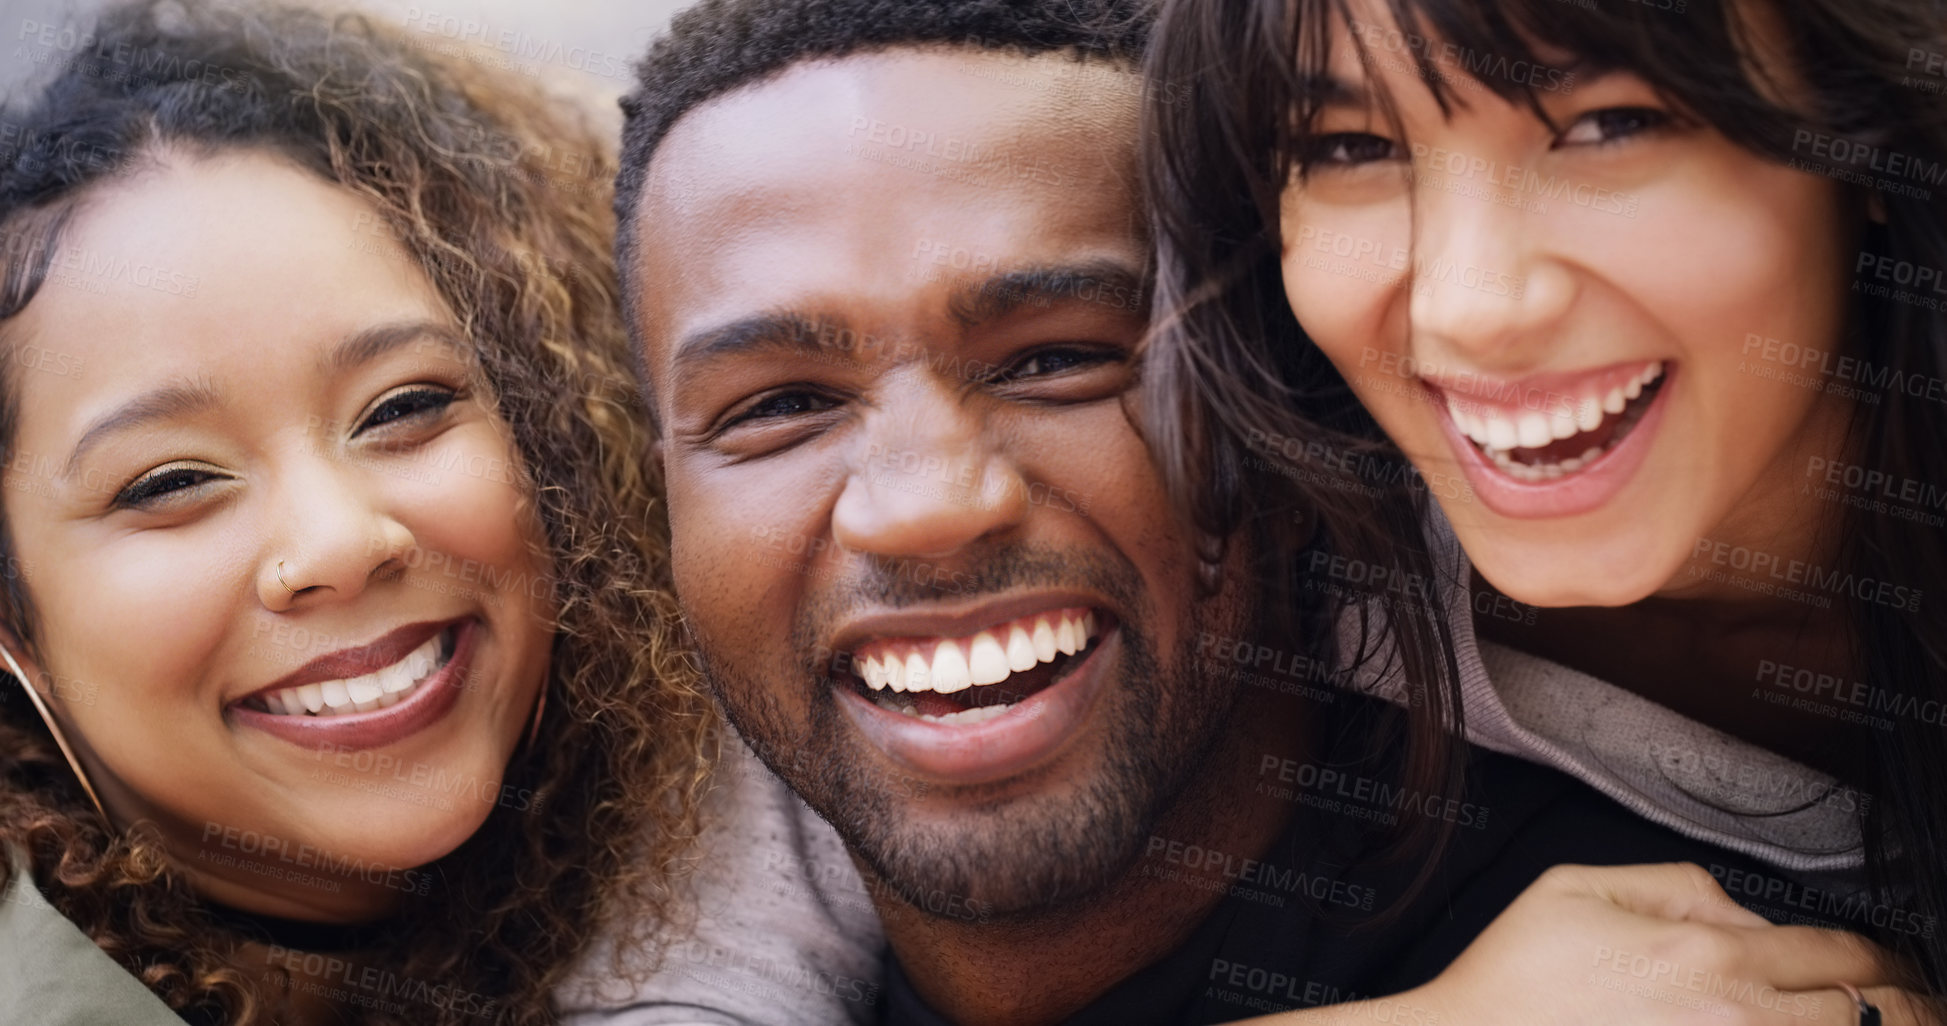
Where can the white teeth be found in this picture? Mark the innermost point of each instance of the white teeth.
(1588, 416)
(335, 693)
(395, 678)
(987, 659)
(379, 689)
(1020, 650)
(367, 689)
(950, 670)
(1532, 431)
(1501, 433)
(417, 665)
(1044, 641)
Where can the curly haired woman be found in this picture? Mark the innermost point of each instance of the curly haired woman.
(345, 699)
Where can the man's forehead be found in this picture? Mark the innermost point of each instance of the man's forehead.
(846, 177)
(956, 115)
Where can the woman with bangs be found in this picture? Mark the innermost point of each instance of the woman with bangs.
(1641, 293)
(338, 695)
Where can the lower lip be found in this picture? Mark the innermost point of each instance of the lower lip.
(1571, 494)
(1027, 735)
(427, 705)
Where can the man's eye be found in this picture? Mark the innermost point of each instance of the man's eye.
(1347, 149)
(157, 485)
(782, 404)
(1611, 125)
(1045, 362)
(414, 402)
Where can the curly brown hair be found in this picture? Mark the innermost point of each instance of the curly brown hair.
(502, 198)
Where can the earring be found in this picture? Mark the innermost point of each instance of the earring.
(540, 706)
(54, 728)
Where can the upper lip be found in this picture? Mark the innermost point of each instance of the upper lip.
(955, 621)
(1483, 387)
(361, 660)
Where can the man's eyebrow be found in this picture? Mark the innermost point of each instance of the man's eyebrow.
(364, 346)
(179, 399)
(1007, 292)
(778, 331)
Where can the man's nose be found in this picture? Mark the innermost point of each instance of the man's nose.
(927, 481)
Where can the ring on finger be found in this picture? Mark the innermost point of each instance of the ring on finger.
(1868, 1015)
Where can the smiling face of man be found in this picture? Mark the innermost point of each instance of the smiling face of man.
(890, 305)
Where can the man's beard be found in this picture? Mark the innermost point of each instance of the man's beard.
(1016, 857)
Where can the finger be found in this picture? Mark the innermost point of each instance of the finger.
(1682, 891)
(1808, 958)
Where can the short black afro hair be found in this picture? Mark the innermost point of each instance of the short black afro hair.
(716, 46)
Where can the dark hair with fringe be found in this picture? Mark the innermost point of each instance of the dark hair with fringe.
(1248, 75)
(449, 157)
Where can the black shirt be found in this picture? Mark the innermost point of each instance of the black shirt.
(1300, 927)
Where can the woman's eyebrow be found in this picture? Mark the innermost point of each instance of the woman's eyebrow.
(183, 398)
(369, 344)
(173, 400)
(1332, 91)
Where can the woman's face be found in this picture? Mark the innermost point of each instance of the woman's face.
(285, 597)
(1581, 324)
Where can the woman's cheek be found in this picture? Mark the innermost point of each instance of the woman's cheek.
(469, 511)
(1344, 264)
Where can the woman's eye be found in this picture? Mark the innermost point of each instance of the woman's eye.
(782, 404)
(157, 485)
(1612, 124)
(410, 403)
(1347, 149)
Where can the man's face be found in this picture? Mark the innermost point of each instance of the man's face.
(891, 305)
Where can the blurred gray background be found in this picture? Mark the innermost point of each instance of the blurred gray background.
(576, 47)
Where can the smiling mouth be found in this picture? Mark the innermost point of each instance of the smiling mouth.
(380, 689)
(976, 677)
(1533, 446)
